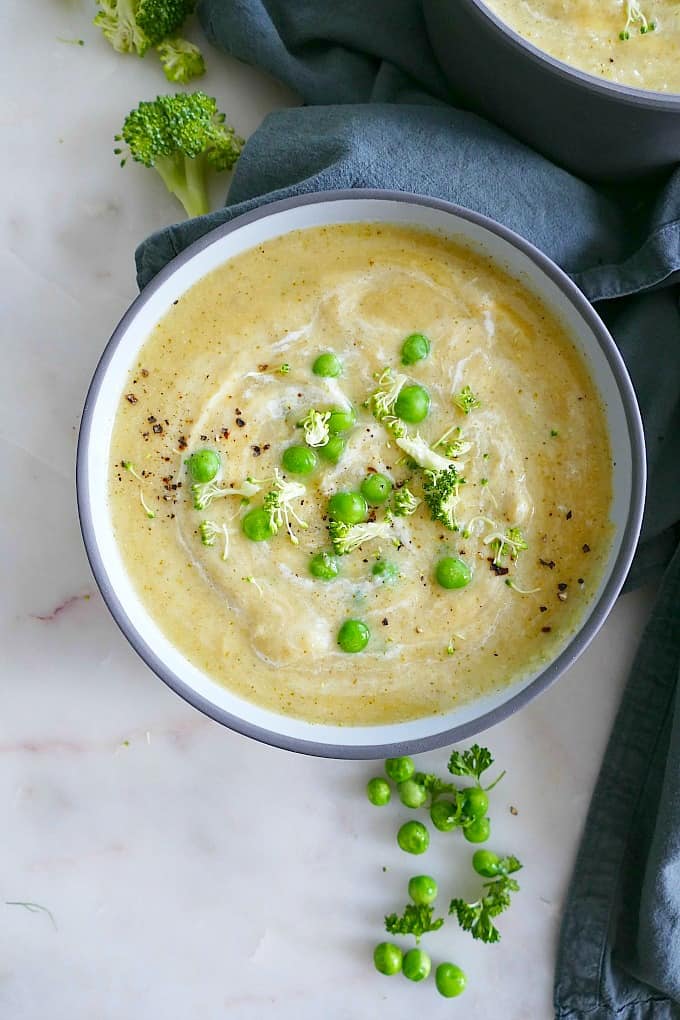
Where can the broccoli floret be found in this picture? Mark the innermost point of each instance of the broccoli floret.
(441, 495)
(348, 537)
(181, 60)
(404, 503)
(181, 136)
(136, 26)
(418, 450)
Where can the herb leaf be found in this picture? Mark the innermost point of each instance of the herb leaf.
(416, 920)
(477, 917)
(472, 762)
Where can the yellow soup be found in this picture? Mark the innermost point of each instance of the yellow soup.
(636, 44)
(502, 470)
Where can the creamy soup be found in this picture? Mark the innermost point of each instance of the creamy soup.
(636, 44)
(336, 534)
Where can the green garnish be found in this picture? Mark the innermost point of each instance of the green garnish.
(441, 490)
(327, 365)
(554, 433)
(315, 425)
(412, 404)
(136, 26)
(284, 369)
(404, 503)
(414, 348)
(477, 917)
(147, 509)
(490, 865)
(452, 447)
(520, 591)
(512, 542)
(353, 636)
(129, 466)
(382, 401)
(385, 571)
(203, 495)
(634, 16)
(348, 537)
(181, 60)
(473, 763)
(251, 580)
(416, 920)
(209, 532)
(466, 401)
(278, 505)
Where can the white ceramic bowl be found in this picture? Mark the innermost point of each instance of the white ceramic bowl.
(513, 254)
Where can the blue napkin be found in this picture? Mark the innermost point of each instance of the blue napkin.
(380, 115)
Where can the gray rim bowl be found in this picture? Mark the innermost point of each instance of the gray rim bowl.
(448, 734)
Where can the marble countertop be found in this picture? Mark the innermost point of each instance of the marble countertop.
(187, 870)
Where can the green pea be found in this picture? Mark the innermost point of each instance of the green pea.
(348, 507)
(413, 838)
(413, 404)
(412, 794)
(422, 889)
(203, 465)
(256, 525)
(400, 769)
(452, 572)
(324, 566)
(444, 815)
(333, 450)
(376, 489)
(353, 636)
(475, 802)
(378, 791)
(387, 958)
(478, 831)
(298, 460)
(385, 571)
(328, 365)
(450, 980)
(485, 863)
(416, 965)
(341, 420)
(414, 348)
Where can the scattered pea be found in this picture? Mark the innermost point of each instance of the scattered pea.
(348, 507)
(412, 794)
(444, 815)
(422, 889)
(385, 571)
(416, 965)
(256, 525)
(478, 831)
(452, 572)
(341, 420)
(298, 460)
(376, 489)
(353, 636)
(324, 566)
(328, 365)
(203, 465)
(387, 958)
(413, 838)
(412, 404)
(414, 348)
(333, 450)
(400, 769)
(485, 863)
(475, 802)
(450, 980)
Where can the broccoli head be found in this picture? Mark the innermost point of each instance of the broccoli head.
(181, 136)
(136, 26)
(441, 495)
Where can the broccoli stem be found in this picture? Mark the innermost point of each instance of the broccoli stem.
(185, 177)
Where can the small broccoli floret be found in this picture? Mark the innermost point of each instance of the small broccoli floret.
(181, 60)
(381, 402)
(512, 542)
(466, 401)
(635, 16)
(135, 26)
(181, 136)
(315, 425)
(279, 505)
(404, 503)
(209, 532)
(348, 537)
(441, 490)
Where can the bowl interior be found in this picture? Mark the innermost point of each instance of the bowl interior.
(516, 257)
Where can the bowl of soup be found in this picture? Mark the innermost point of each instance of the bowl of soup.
(360, 473)
(593, 86)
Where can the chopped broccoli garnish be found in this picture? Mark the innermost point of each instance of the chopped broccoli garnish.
(284, 369)
(442, 494)
(348, 537)
(404, 503)
(381, 402)
(204, 493)
(477, 917)
(417, 449)
(452, 443)
(278, 504)
(315, 425)
(521, 591)
(251, 580)
(181, 60)
(136, 26)
(129, 466)
(209, 532)
(466, 401)
(512, 542)
(416, 920)
(181, 136)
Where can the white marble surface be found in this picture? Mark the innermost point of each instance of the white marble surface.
(188, 870)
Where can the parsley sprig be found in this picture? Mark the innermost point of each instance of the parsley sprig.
(416, 920)
(478, 917)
